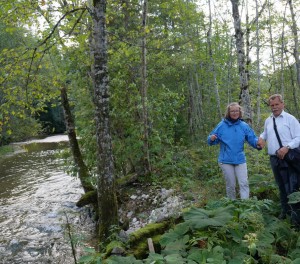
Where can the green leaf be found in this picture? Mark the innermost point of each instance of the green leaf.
(174, 234)
(201, 218)
(89, 250)
(240, 259)
(174, 259)
(279, 259)
(123, 260)
(265, 238)
(294, 198)
(176, 247)
(295, 254)
(215, 256)
(157, 258)
(86, 259)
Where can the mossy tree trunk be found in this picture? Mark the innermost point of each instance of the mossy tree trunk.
(82, 170)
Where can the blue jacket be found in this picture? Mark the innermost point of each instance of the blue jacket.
(231, 137)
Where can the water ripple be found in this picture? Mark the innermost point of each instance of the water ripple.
(35, 196)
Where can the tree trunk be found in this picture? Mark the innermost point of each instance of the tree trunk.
(212, 63)
(195, 106)
(81, 168)
(247, 45)
(198, 99)
(293, 84)
(258, 68)
(296, 55)
(228, 80)
(282, 56)
(272, 48)
(146, 156)
(296, 42)
(244, 82)
(107, 201)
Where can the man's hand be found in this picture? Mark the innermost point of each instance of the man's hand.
(261, 143)
(282, 152)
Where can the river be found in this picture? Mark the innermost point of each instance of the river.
(37, 199)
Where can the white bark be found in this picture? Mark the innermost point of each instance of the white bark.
(240, 49)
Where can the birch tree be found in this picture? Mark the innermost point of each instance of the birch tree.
(144, 96)
(240, 49)
(212, 62)
(270, 28)
(296, 41)
(107, 202)
(258, 64)
(282, 50)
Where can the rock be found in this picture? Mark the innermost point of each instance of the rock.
(118, 251)
(149, 205)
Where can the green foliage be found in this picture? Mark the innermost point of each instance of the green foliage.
(178, 232)
(216, 256)
(181, 104)
(11, 131)
(6, 150)
(91, 257)
(127, 260)
(263, 186)
(174, 163)
(294, 198)
(240, 231)
(25, 83)
(199, 218)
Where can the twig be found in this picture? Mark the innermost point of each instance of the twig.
(70, 237)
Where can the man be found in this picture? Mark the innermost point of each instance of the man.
(288, 128)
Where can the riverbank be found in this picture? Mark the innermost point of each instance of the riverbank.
(18, 147)
(6, 150)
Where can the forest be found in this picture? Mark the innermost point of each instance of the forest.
(138, 85)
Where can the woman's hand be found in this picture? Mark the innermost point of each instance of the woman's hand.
(213, 137)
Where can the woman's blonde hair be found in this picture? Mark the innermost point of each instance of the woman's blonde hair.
(227, 112)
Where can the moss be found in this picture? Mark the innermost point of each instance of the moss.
(141, 250)
(156, 243)
(114, 244)
(87, 198)
(139, 239)
(124, 180)
(148, 231)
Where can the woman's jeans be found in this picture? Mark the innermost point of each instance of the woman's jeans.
(232, 173)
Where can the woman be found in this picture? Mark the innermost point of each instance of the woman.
(231, 133)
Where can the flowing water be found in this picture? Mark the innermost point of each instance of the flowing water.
(37, 206)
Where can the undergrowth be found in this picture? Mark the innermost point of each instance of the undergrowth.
(218, 230)
(224, 231)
